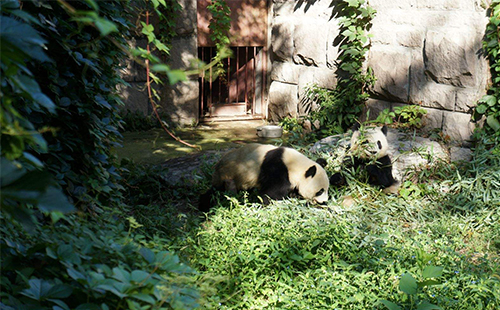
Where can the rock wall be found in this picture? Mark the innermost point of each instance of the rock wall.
(180, 101)
(302, 53)
(425, 52)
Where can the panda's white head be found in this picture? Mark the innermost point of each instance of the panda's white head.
(306, 176)
(314, 185)
(369, 142)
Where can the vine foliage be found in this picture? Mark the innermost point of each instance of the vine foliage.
(220, 23)
(489, 105)
(339, 109)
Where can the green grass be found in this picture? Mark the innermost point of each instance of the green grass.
(357, 255)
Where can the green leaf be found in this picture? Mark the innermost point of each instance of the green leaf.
(121, 274)
(493, 122)
(45, 102)
(432, 272)
(92, 5)
(53, 199)
(408, 284)
(148, 255)
(145, 297)
(60, 291)
(481, 109)
(390, 305)
(139, 275)
(425, 305)
(23, 37)
(175, 76)
(38, 289)
(9, 5)
(428, 283)
(489, 99)
(105, 26)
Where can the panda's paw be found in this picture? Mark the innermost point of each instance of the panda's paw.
(393, 189)
(337, 179)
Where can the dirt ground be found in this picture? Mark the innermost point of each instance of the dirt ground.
(156, 146)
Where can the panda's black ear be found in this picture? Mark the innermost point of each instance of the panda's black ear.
(322, 162)
(311, 172)
(384, 130)
(356, 126)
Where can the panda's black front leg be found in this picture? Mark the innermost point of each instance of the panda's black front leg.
(275, 192)
(381, 172)
(338, 179)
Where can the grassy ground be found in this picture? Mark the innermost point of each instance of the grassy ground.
(435, 246)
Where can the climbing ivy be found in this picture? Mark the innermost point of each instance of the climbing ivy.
(489, 105)
(220, 23)
(340, 108)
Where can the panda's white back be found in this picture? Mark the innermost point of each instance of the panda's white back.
(241, 167)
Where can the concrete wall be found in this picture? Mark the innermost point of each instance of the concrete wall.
(424, 52)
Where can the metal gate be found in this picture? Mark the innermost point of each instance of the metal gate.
(240, 92)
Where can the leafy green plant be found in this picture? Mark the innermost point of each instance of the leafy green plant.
(339, 109)
(407, 116)
(81, 264)
(489, 105)
(415, 290)
(220, 23)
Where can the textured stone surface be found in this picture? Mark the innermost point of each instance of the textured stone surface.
(433, 119)
(135, 96)
(458, 126)
(322, 77)
(451, 57)
(183, 51)
(185, 20)
(310, 49)
(374, 107)
(282, 38)
(180, 102)
(283, 100)
(460, 154)
(391, 67)
(433, 95)
(332, 46)
(467, 99)
(285, 72)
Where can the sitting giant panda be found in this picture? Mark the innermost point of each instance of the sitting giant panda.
(368, 150)
(274, 171)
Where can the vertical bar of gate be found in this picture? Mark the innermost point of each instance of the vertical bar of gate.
(202, 83)
(211, 99)
(246, 76)
(228, 79)
(237, 74)
(253, 78)
(264, 70)
(220, 89)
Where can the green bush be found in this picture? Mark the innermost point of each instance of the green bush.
(82, 264)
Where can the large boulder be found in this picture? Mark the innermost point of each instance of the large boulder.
(406, 151)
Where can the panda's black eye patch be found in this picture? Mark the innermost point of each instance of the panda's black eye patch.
(379, 145)
(320, 192)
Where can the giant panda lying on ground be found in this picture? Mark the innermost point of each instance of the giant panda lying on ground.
(368, 150)
(274, 171)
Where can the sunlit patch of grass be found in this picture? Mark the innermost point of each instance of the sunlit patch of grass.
(353, 252)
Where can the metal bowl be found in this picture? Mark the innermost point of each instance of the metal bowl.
(269, 131)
